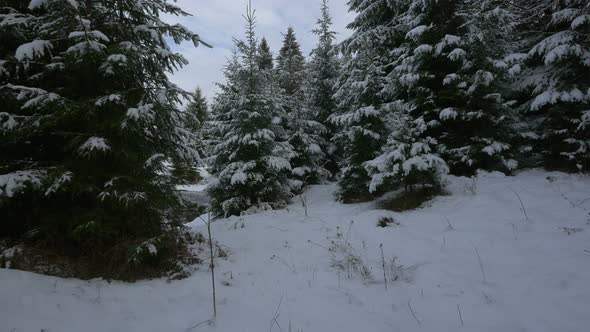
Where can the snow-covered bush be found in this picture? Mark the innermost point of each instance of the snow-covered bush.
(407, 161)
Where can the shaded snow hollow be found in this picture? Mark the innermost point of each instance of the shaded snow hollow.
(536, 275)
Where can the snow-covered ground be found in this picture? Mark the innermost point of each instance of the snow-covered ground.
(532, 274)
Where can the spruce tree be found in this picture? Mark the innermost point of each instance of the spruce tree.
(322, 73)
(290, 64)
(88, 120)
(197, 111)
(249, 162)
(555, 80)
(265, 60)
(445, 76)
(304, 133)
(360, 117)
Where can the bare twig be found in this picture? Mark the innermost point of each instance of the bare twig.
(450, 226)
(348, 243)
(212, 263)
(586, 250)
(413, 313)
(304, 204)
(460, 316)
(582, 202)
(284, 262)
(208, 321)
(383, 264)
(274, 320)
(487, 297)
(319, 245)
(521, 204)
(483, 273)
(348, 232)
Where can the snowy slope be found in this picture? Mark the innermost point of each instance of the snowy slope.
(278, 276)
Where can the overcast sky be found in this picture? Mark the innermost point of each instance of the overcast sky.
(218, 21)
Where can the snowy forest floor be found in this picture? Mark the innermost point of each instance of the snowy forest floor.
(489, 268)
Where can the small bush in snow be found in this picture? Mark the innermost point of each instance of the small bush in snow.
(411, 200)
(346, 258)
(387, 221)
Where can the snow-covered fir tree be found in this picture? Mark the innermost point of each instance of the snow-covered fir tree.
(446, 76)
(405, 160)
(359, 117)
(322, 73)
(303, 131)
(87, 121)
(249, 162)
(555, 40)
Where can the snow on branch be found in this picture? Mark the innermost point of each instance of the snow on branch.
(32, 50)
(13, 183)
(278, 163)
(94, 144)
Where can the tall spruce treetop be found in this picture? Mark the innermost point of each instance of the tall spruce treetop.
(323, 68)
(359, 95)
(265, 60)
(250, 163)
(303, 131)
(197, 111)
(88, 118)
(555, 79)
(290, 64)
(322, 73)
